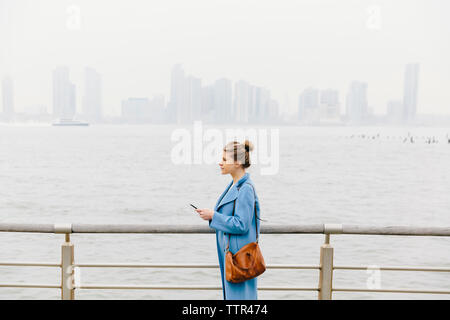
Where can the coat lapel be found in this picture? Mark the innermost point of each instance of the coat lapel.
(233, 193)
(221, 196)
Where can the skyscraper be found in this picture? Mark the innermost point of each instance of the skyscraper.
(329, 104)
(8, 97)
(241, 103)
(410, 89)
(253, 104)
(261, 106)
(64, 97)
(70, 112)
(222, 100)
(92, 100)
(157, 105)
(208, 103)
(194, 102)
(178, 95)
(356, 103)
(186, 96)
(308, 105)
(273, 110)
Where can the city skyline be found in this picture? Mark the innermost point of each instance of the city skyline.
(284, 47)
(224, 101)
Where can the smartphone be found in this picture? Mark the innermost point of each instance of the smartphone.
(193, 206)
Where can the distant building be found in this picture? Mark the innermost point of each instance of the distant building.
(186, 96)
(8, 98)
(194, 98)
(158, 106)
(316, 106)
(260, 109)
(356, 104)
(273, 111)
(178, 95)
(92, 100)
(64, 94)
(215, 103)
(222, 100)
(410, 90)
(308, 106)
(253, 104)
(136, 110)
(143, 110)
(241, 103)
(70, 113)
(394, 112)
(207, 104)
(329, 104)
(36, 110)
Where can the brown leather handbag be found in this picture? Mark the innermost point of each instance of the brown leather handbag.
(248, 262)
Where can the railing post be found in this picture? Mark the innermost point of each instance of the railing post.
(326, 270)
(67, 261)
(326, 263)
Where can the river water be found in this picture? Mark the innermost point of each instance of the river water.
(125, 174)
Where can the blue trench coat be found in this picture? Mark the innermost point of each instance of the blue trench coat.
(242, 229)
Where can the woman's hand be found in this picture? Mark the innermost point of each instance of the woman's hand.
(205, 214)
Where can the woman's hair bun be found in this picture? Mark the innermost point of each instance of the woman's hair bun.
(248, 145)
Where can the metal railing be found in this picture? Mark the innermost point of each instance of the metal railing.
(326, 267)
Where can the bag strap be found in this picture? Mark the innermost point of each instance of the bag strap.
(256, 222)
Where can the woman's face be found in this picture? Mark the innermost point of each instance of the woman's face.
(228, 165)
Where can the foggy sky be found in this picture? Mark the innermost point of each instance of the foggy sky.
(284, 46)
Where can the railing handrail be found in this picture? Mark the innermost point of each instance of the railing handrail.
(267, 229)
(326, 266)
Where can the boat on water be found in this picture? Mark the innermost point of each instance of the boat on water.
(69, 122)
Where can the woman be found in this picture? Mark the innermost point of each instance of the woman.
(241, 226)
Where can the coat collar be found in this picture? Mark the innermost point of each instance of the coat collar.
(233, 193)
